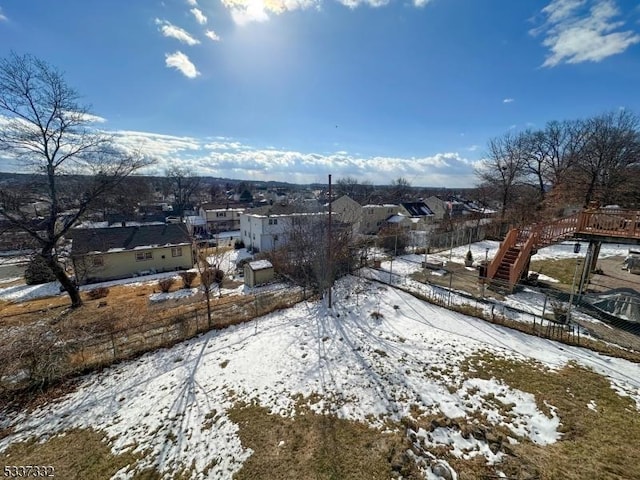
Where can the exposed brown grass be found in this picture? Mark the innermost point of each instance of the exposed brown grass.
(318, 447)
(595, 444)
(78, 454)
(562, 270)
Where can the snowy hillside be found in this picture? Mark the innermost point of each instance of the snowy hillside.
(344, 361)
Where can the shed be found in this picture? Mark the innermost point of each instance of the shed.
(258, 273)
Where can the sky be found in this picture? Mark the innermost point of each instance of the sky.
(293, 90)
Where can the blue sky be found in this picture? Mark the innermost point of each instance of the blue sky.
(293, 90)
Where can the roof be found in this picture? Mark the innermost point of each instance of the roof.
(128, 238)
(417, 209)
(260, 265)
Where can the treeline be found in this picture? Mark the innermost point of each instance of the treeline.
(533, 174)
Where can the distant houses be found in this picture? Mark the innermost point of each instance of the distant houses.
(369, 219)
(100, 254)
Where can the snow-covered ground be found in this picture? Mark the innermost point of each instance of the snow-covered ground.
(24, 293)
(363, 368)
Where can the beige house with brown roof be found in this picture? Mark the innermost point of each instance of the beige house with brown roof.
(101, 254)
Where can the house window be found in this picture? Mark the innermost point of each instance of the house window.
(176, 252)
(275, 238)
(273, 221)
(142, 256)
(221, 214)
(97, 261)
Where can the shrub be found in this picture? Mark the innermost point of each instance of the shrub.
(188, 278)
(469, 257)
(209, 276)
(97, 293)
(38, 272)
(238, 244)
(165, 284)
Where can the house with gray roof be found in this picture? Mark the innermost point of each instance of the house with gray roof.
(101, 254)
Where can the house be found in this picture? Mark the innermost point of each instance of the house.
(221, 218)
(267, 232)
(258, 273)
(100, 254)
(374, 216)
(348, 211)
(418, 212)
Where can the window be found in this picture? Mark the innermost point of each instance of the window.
(221, 214)
(97, 261)
(275, 238)
(176, 252)
(142, 256)
(273, 221)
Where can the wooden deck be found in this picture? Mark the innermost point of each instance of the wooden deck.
(604, 225)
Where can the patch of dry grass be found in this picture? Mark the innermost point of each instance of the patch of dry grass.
(79, 453)
(562, 270)
(598, 444)
(318, 447)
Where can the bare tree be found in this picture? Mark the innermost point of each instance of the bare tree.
(611, 149)
(45, 129)
(184, 185)
(503, 169)
(400, 188)
(209, 267)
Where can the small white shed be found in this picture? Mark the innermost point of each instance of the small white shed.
(258, 273)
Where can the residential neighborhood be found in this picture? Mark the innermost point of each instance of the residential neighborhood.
(353, 240)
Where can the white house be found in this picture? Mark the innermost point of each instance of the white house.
(265, 233)
(221, 219)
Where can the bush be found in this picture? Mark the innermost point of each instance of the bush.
(38, 272)
(165, 284)
(238, 244)
(210, 276)
(188, 278)
(97, 293)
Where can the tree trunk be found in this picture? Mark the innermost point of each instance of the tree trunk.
(62, 277)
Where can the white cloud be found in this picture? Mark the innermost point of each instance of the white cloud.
(199, 16)
(248, 11)
(229, 158)
(420, 3)
(212, 35)
(224, 157)
(181, 62)
(3, 17)
(193, 3)
(169, 30)
(508, 100)
(578, 31)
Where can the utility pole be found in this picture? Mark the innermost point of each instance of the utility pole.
(329, 247)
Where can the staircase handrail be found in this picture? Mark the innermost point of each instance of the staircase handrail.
(515, 271)
(508, 242)
(556, 230)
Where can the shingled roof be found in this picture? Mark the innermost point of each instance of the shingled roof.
(417, 209)
(127, 238)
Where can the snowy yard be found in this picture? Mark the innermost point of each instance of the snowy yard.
(374, 370)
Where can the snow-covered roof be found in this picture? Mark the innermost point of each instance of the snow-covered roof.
(260, 265)
(397, 218)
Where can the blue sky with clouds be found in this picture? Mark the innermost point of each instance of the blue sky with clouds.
(296, 89)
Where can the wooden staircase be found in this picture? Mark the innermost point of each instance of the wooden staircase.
(511, 263)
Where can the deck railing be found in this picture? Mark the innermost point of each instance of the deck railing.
(604, 222)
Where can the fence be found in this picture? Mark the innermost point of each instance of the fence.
(453, 292)
(445, 240)
(56, 353)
